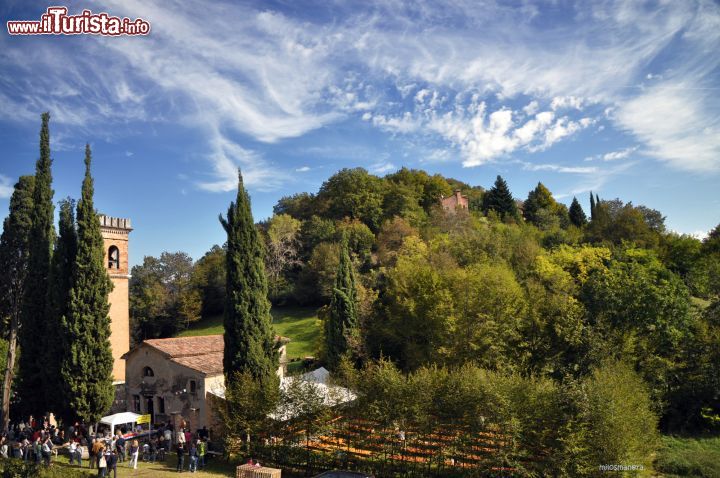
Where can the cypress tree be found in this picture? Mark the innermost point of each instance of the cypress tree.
(577, 215)
(592, 206)
(500, 200)
(341, 326)
(249, 339)
(14, 252)
(61, 275)
(86, 369)
(32, 336)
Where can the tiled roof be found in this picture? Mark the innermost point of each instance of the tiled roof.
(203, 353)
(209, 364)
(188, 346)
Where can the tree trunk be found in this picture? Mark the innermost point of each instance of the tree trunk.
(9, 371)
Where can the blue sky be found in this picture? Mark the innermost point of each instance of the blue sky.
(618, 97)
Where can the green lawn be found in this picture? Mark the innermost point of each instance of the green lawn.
(696, 457)
(215, 469)
(300, 324)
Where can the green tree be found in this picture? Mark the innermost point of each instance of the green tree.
(577, 215)
(164, 297)
(208, 276)
(61, 276)
(538, 199)
(282, 250)
(87, 362)
(32, 337)
(249, 340)
(300, 206)
(617, 420)
(356, 194)
(592, 206)
(14, 252)
(499, 199)
(341, 327)
(640, 312)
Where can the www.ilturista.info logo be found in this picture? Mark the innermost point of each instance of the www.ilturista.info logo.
(56, 21)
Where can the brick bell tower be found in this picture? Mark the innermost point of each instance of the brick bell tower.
(115, 233)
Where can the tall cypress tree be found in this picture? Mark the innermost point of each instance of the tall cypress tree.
(86, 368)
(577, 215)
(61, 276)
(500, 200)
(592, 206)
(341, 326)
(32, 336)
(14, 252)
(249, 339)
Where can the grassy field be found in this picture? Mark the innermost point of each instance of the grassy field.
(216, 469)
(696, 457)
(300, 324)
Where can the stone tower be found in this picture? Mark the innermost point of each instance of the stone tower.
(115, 233)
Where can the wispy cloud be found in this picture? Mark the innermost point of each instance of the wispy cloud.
(243, 75)
(613, 155)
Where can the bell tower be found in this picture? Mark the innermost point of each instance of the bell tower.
(115, 232)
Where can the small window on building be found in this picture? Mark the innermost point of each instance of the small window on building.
(161, 405)
(113, 258)
(136, 403)
(193, 386)
(148, 372)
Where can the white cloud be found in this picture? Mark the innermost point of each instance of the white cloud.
(531, 108)
(227, 156)
(382, 168)
(267, 77)
(564, 102)
(613, 155)
(676, 125)
(6, 186)
(303, 169)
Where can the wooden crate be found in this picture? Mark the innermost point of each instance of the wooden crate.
(252, 471)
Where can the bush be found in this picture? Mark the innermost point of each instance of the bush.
(11, 468)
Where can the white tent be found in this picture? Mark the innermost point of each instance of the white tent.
(119, 419)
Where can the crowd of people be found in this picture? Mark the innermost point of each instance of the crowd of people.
(39, 442)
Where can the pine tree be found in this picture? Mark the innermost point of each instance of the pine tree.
(341, 326)
(14, 252)
(577, 215)
(86, 369)
(249, 339)
(592, 206)
(31, 335)
(499, 199)
(61, 275)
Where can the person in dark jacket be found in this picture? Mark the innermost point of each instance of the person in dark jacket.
(112, 461)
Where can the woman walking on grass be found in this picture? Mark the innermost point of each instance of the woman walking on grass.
(134, 451)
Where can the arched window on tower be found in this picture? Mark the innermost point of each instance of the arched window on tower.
(148, 372)
(113, 258)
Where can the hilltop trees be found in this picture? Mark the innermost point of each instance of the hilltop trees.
(249, 341)
(499, 200)
(14, 251)
(32, 335)
(541, 209)
(577, 215)
(87, 362)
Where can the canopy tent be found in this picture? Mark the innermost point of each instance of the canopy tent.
(119, 419)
